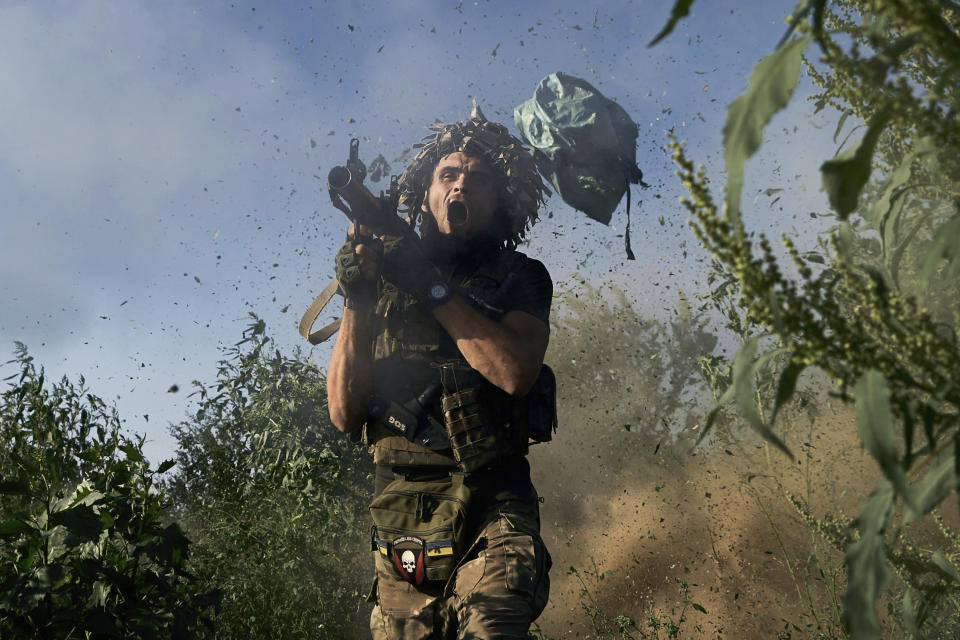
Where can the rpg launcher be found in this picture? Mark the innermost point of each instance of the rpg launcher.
(378, 214)
(371, 215)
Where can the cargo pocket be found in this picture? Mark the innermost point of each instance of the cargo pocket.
(527, 566)
(468, 575)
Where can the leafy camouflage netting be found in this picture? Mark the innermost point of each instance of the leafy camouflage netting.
(523, 189)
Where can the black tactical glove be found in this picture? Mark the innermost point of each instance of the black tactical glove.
(410, 270)
(353, 286)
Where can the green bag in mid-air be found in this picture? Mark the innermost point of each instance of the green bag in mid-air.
(584, 143)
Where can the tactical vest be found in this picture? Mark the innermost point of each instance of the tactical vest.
(411, 352)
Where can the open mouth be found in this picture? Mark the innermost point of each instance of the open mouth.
(457, 213)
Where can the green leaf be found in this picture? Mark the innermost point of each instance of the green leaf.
(875, 424)
(20, 487)
(888, 206)
(786, 386)
(867, 565)
(681, 9)
(845, 175)
(166, 465)
(930, 490)
(698, 607)
(769, 90)
(13, 528)
(49, 575)
(100, 593)
(843, 119)
(709, 423)
(133, 452)
(941, 561)
(745, 368)
(910, 615)
(945, 246)
(846, 238)
(80, 520)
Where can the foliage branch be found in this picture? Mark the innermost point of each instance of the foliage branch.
(85, 547)
(880, 318)
(273, 496)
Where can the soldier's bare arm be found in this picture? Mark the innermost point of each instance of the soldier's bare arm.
(349, 376)
(508, 353)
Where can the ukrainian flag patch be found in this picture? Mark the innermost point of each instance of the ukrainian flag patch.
(384, 547)
(439, 549)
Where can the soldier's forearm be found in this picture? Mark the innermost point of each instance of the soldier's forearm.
(349, 375)
(508, 353)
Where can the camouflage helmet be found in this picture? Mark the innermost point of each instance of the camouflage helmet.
(522, 191)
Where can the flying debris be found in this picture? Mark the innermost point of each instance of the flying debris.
(584, 143)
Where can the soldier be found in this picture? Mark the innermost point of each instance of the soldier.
(439, 364)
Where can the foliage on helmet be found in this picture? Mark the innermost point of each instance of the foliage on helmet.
(522, 191)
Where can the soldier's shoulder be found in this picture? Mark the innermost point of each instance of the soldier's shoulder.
(518, 259)
(517, 266)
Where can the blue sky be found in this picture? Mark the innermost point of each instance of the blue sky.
(159, 160)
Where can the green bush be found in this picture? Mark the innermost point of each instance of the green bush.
(84, 549)
(274, 498)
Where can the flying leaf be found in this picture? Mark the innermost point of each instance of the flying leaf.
(681, 9)
(845, 175)
(768, 91)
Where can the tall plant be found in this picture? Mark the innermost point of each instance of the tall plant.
(880, 318)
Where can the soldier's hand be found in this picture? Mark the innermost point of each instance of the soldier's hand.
(358, 265)
(406, 266)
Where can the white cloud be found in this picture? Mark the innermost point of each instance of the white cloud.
(115, 116)
(107, 100)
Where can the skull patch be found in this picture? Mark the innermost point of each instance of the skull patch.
(408, 558)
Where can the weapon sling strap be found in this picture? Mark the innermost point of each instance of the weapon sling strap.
(313, 312)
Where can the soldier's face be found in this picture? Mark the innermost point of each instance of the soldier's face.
(462, 198)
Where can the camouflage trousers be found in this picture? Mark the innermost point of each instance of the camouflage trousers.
(499, 587)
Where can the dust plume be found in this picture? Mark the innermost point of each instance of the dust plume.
(632, 512)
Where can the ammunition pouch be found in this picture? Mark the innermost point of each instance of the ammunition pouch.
(485, 424)
(539, 407)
